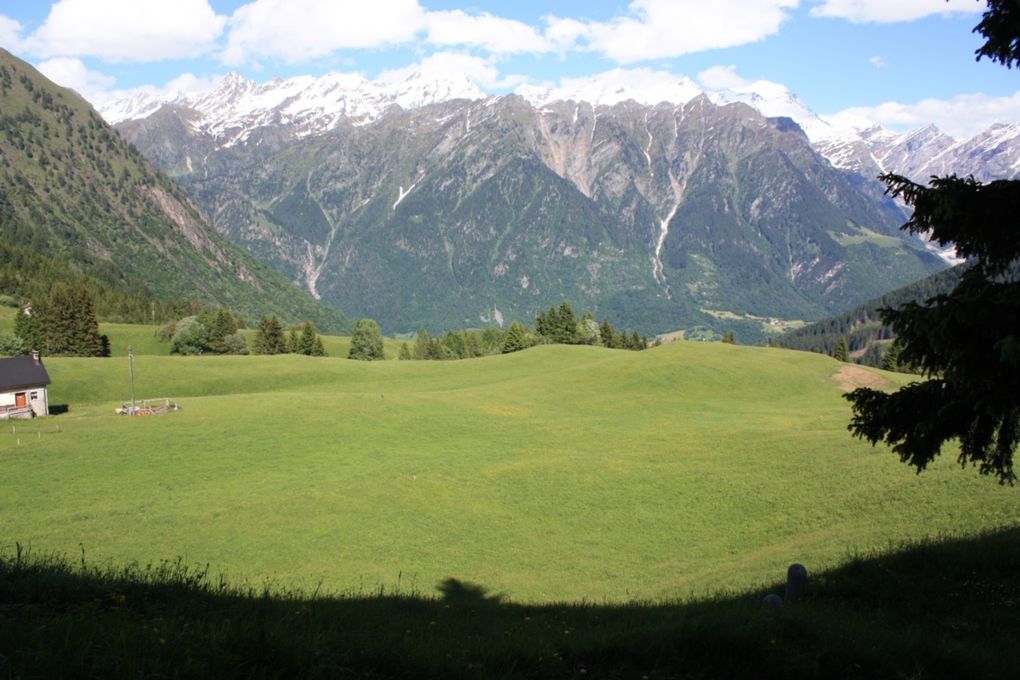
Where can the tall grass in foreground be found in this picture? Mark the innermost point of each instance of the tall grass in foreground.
(936, 609)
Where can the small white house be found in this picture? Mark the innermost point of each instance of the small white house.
(23, 382)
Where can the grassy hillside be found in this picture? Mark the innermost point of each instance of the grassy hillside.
(556, 473)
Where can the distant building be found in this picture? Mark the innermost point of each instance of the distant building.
(23, 382)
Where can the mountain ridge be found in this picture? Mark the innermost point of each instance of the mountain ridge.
(465, 211)
(314, 105)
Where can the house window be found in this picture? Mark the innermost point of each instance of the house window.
(33, 396)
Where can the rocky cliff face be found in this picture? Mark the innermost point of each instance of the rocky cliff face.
(473, 210)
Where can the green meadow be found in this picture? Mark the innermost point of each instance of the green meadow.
(554, 474)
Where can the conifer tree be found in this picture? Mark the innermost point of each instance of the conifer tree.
(608, 334)
(967, 342)
(729, 338)
(515, 339)
(842, 352)
(269, 338)
(318, 349)
(367, 342)
(405, 352)
(69, 322)
(28, 326)
(423, 345)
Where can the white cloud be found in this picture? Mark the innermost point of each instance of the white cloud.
(721, 78)
(643, 85)
(491, 33)
(10, 32)
(481, 70)
(887, 11)
(564, 33)
(962, 116)
(127, 30)
(877, 62)
(73, 73)
(656, 29)
(295, 30)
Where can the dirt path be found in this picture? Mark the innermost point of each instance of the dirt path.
(851, 377)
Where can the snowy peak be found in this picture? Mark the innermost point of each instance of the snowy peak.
(235, 106)
(613, 88)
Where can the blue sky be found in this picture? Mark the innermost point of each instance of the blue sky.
(901, 63)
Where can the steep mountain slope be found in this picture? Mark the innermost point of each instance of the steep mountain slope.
(72, 190)
(475, 210)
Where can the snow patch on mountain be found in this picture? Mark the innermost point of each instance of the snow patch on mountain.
(235, 107)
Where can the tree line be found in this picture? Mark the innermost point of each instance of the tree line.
(556, 325)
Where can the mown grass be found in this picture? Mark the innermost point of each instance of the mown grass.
(559, 473)
(939, 609)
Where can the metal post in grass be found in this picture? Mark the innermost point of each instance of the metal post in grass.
(131, 369)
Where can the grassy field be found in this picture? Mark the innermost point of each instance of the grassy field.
(942, 609)
(559, 473)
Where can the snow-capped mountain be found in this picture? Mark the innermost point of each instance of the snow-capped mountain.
(236, 105)
(921, 153)
(306, 106)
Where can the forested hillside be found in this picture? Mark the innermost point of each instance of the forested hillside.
(862, 326)
(76, 201)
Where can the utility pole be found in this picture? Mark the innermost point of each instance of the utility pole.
(131, 368)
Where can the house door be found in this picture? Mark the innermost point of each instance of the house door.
(20, 401)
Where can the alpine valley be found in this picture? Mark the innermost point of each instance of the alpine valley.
(426, 203)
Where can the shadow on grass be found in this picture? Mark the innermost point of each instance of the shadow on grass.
(942, 609)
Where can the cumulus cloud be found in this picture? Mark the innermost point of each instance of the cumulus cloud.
(655, 29)
(73, 73)
(295, 30)
(962, 116)
(721, 78)
(877, 62)
(10, 32)
(491, 33)
(127, 30)
(888, 11)
(481, 70)
(564, 34)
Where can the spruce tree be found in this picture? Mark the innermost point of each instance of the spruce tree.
(566, 325)
(515, 339)
(306, 342)
(69, 322)
(966, 342)
(269, 338)
(318, 349)
(367, 342)
(423, 345)
(608, 334)
(405, 352)
(29, 328)
(842, 352)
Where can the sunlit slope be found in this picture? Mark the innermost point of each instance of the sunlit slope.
(555, 473)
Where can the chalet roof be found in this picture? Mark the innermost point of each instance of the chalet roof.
(22, 371)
